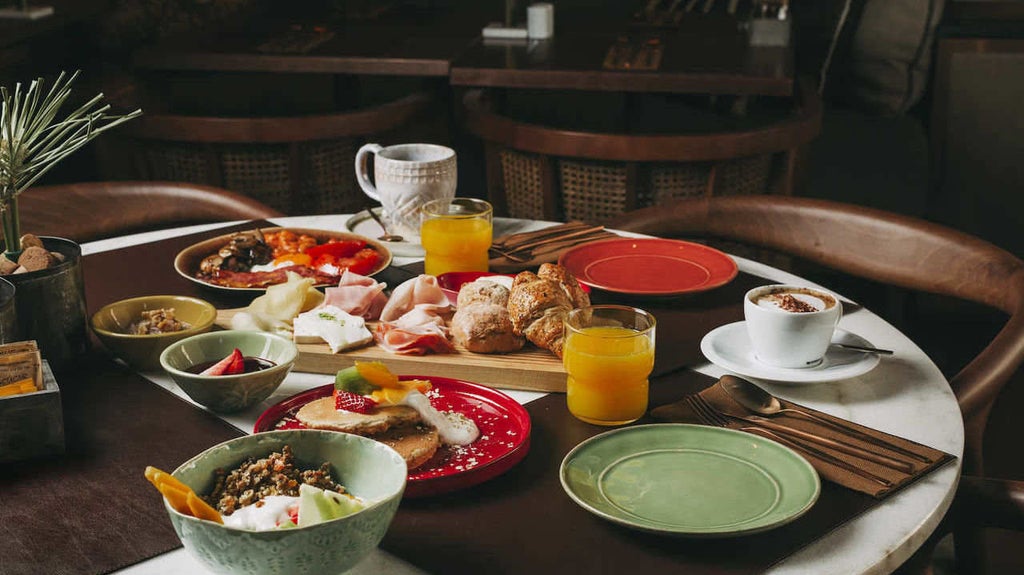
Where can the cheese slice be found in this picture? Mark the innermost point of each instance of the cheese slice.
(333, 325)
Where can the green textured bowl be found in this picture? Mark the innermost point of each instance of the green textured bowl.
(368, 469)
(113, 322)
(229, 393)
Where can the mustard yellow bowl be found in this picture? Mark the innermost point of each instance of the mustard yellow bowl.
(112, 325)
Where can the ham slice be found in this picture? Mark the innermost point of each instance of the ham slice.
(411, 293)
(357, 295)
(416, 341)
(418, 331)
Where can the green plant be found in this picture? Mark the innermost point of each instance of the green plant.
(33, 140)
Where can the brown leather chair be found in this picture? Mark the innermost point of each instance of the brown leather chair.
(563, 174)
(96, 210)
(899, 251)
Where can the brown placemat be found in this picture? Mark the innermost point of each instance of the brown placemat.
(832, 463)
(523, 522)
(91, 510)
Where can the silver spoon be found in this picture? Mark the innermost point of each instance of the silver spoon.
(863, 348)
(386, 237)
(761, 402)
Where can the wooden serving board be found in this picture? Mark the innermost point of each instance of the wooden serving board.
(530, 369)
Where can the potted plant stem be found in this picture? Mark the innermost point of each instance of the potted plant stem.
(49, 296)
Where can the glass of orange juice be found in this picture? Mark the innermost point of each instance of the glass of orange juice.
(608, 355)
(456, 234)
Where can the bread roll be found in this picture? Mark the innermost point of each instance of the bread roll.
(483, 327)
(483, 291)
(481, 322)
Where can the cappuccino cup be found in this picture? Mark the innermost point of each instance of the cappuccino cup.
(406, 176)
(790, 326)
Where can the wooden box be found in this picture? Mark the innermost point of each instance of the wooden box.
(32, 424)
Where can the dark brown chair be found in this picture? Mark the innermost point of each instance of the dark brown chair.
(301, 164)
(97, 210)
(536, 171)
(899, 251)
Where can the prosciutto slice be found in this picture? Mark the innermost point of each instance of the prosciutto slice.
(357, 295)
(419, 290)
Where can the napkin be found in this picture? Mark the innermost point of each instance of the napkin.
(542, 246)
(680, 412)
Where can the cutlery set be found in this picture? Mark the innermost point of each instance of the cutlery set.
(708, 415)
(762, 406)
(523, 247)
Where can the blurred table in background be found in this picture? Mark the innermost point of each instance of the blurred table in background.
(403, 40)
(702, 53)
(609, 47)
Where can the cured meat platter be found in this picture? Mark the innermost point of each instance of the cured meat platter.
(530, 369)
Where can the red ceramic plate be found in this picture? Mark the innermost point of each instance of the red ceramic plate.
(649, 266)
(504, 433)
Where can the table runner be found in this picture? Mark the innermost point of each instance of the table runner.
(484, 527)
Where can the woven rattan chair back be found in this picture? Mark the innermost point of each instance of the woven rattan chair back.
(297, 164)
(539, 172)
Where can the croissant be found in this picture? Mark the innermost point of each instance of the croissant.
(538, 304)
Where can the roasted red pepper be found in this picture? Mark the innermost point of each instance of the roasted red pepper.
(335, 249)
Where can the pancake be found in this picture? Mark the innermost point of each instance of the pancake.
(321, 414)
(415, 443)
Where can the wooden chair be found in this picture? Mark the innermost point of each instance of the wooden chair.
(97, 210)
(900, 251)
(536, 171)
(299, 164)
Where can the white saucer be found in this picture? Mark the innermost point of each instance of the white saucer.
(729, 347)
(361, 223)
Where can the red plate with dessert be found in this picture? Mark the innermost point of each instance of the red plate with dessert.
(503, 423)
(649, 266)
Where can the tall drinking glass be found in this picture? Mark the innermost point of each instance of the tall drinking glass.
(608, 355)
(456, 234)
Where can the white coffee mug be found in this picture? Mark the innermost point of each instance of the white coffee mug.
(790, 326)
(406, 176)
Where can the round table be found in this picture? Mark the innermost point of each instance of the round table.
(905, 395)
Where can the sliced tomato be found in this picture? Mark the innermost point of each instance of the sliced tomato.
(336, 249)
(361, 262)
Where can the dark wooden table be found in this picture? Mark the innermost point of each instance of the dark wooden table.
(705, 54)
(702, 53)
(410, 41)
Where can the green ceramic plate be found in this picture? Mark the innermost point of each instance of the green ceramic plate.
(689, 480)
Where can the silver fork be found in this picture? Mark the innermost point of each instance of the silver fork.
(708, 415)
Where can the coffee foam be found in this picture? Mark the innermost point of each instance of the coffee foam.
(773, 299)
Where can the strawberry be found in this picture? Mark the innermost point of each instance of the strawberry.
(230, 365)
(237, 364)
(348, 401)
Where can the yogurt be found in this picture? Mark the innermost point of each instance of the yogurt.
(452, 428)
